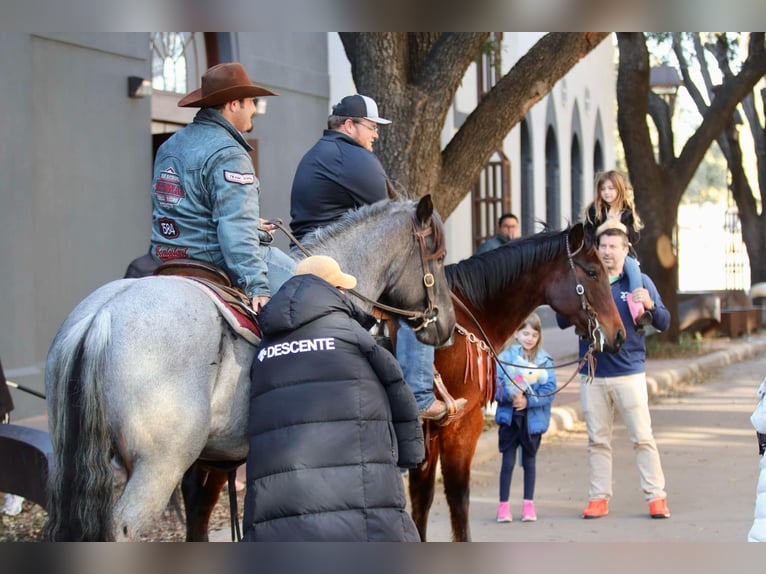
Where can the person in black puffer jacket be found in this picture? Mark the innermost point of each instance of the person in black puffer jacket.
(331, 420)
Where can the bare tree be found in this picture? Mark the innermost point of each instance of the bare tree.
(660, 182)
(417, 76)
(752, 219)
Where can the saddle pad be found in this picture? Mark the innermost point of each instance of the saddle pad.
(240, 323)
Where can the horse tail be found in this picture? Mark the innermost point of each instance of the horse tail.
(80, 488)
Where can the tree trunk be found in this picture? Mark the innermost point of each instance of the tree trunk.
(659, 186)
(753, 223)
(414, 78)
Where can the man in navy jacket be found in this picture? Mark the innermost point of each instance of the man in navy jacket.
(338, 174)
(620, 384)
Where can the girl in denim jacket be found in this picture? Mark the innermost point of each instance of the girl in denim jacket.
(524, 395)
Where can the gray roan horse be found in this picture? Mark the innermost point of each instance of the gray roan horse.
(146, 370)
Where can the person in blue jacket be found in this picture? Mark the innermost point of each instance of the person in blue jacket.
(526, 384)
(619, 385)
(205, 194)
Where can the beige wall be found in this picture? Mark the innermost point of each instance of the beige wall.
(75, 159)
(74, 187)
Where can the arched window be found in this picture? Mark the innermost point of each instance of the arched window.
(552, 180)
(598, 152)
(178, 61)
(527, 182)
(598, 158)
(491, 196)
(576, 169)
(575, 175)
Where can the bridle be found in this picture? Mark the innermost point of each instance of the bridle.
(593, 327)
(431, 312)
(593, 324)
(418, 320)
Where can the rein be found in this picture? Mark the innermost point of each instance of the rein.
(586, 358)
(593, 328)
(426, 317)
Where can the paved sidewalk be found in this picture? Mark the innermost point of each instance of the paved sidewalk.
(661, 375)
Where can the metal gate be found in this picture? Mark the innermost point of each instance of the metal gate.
(736, 261)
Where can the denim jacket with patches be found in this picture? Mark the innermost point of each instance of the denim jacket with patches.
(205, 199)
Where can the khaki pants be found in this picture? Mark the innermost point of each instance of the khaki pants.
(627, 395)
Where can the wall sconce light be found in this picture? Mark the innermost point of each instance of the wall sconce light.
(139, 87)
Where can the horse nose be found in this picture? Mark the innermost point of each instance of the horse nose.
(619, 340)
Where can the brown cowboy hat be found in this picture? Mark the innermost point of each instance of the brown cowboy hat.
(223, 83)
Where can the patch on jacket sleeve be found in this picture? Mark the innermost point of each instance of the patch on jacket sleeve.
(240, 178)
(167, 253)
(168, 228)
(168, 188)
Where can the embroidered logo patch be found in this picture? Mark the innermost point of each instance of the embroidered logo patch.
(301, 346)
(168, 253)
(168, 188)
(168, 228)
(240, 178)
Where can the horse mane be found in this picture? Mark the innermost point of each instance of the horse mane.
(485, 275)
(384, 207)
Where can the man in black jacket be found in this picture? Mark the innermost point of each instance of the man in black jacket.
(331, 420)
(338, 174)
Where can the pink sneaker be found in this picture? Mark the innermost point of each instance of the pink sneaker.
(528, 513)
(504, 512)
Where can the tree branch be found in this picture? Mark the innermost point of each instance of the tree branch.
(506, 104)
(718, 114)
(659, 111)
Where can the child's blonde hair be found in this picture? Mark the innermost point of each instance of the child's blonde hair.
(533, 322)
(625, 198)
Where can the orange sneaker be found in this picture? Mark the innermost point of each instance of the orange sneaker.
(658, 508)
(596, 508)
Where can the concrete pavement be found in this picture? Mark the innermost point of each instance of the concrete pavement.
(661, 376)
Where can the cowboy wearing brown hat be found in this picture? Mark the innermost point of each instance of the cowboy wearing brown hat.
(205, 194)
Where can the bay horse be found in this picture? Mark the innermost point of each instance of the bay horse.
(146, 371)
(495, 291)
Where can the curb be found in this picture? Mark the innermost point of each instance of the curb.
(564, 418)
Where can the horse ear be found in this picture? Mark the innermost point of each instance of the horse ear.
(576, 236)
(425, 208)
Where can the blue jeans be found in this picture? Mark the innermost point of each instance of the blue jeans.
(417, 362)
(281, 267)
(633, 272)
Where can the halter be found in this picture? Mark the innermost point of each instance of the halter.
(593, 325)
(431, 312)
